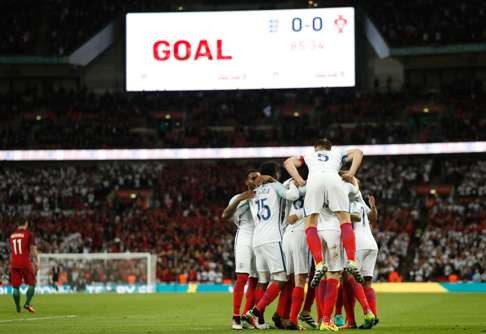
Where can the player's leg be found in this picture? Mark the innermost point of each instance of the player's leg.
(338, 202)
(320, 295)
(366, 262)
(281, 316)
(349, 302)
(330, 298)
(250, 293)
(275, 261)
(313, 202)
(338, 312)
(238, 292)
(334, 259)
(261, 287)
(243, 258)
(298, 296)
(306, 314)
(348, 239)
(29, 278)
(16, 281)
(282, 313)
(302, 260)
(251, 285)
(311, 292)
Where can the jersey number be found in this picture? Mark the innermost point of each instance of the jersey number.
(17, 246)
(263, 210)
(322, 157)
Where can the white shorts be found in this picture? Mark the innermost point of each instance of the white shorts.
(296, 252)
(245, 260)
(334, 252)
(366, 260)
(325, 189)
(270, 258)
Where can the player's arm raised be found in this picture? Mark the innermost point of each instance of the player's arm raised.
(230, 210)
(355, 155)
(291, 165)
(373, 215)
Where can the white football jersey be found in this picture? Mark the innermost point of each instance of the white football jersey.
(267, 208)
(325, 161)
(295, 208)
(362, 229)
(243, 219)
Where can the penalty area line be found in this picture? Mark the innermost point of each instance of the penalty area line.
(40, 318)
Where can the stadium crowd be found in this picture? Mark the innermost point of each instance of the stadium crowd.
(423, 22)
(174, 210)
(78, 119)
(66, 24)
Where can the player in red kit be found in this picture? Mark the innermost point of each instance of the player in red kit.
(23, 264)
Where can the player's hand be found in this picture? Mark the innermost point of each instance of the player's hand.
(292, 219)
(372, 201)
(247, 195)
(35, 266)
(299, 183)
(355, 217)
(347, 176)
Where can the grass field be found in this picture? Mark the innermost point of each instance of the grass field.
(211, 313)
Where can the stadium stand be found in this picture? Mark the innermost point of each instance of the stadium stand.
(64, 25)
(151, 206)
(454, 22)
(69, 119)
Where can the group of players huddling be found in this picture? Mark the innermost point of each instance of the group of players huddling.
(281, 225)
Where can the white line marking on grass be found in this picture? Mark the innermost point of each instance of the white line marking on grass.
(40, 318)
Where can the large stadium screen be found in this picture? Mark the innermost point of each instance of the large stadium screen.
(299, 48)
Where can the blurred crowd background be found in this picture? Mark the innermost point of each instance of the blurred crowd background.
(431, 222)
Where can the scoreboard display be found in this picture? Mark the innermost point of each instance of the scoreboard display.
(294, 48)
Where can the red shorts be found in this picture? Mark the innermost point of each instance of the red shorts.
(19, 274)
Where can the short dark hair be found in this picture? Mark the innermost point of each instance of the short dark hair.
(324, 143)
(269, 168)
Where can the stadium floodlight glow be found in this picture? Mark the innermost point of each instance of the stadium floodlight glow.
(232, 153)
(263, 49)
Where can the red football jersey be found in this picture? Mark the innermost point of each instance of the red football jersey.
(20, 242)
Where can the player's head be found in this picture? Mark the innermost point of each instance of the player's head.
(323, 144)
(270, 168)
(251, 178)
(23, 223)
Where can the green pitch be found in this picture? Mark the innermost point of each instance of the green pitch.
(211, 313)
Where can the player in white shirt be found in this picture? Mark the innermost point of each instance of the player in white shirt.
(329, 230)
(297, 256)
(366, 247)
(324, 188)
(238, 211)
(267, 209)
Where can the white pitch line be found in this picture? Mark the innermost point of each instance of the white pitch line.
(40, 318)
